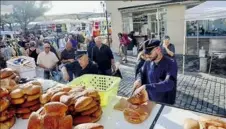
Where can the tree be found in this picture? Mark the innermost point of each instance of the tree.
(7, 19)
(25, 12)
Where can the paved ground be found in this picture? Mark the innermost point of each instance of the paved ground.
(195, 91)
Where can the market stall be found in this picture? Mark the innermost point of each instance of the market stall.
(47, 103)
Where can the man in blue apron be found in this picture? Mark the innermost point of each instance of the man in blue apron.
(158, 76)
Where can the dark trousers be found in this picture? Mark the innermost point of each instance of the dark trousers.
(105, 72)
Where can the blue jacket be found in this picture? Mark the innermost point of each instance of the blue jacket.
(160, 80)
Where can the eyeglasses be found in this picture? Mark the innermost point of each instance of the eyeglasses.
(47, 47)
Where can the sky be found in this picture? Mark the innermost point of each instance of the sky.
(69, 7)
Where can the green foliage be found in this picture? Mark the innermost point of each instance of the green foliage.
(25, 12)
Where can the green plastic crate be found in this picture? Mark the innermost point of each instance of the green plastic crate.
(106, 85)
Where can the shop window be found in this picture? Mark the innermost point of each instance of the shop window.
(207, 28)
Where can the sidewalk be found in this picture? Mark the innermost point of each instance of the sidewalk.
(195, 91)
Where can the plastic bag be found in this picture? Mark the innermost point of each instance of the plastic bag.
(134, 50)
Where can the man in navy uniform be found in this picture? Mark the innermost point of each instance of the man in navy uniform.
(82, 65)
(158, 76)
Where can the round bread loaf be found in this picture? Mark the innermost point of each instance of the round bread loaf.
(23, 110)
(33, 97)
(18, 101)
(29, 104)
(6, 114)
(55, 108)
(4, 104)
(6, 72)
(8, 123)
(3, 92)
(91, 105)
(44, 98)
(26, 115)
(89, 126)
(82, 102)
(191, 124)
(16, 93)
(139, 99)
(30, 89)
(90, 111)
(56, 97)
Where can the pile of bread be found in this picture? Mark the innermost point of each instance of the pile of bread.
(7, 113)
(53, 116)
(205, 122)
(9, 78)
(83, 104)
(135, 109)
(25, 99)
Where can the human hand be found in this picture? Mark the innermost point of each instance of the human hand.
(113, 67)
(165, 45)
(139, 96)
(137, 84)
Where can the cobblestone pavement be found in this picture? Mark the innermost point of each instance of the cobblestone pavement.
(195, 91)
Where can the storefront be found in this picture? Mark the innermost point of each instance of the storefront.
(159, 17)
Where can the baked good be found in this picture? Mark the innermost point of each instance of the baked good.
(44, 98)
(95, 119)
(12, 76)
(191, 124)
(25, 115)
(17, 93)
(56, 97)
(17, 101)
(82, 102)
(4, 104)
(6, 72)
(82, 119)
(31, 89)
(66, 99)
(33, 97)
(66, 89)
(35, 107)
(9, 84)
(3, 92)
(97, 113)
(8, 123)
(89, 126)
(90, 111)
(91, 93)
(6, 114)
(23, 110)
(139, 99)
(211, 122)
(91, 105)
(55, 108)
(35, 83)
(47, 117)
(29, 104)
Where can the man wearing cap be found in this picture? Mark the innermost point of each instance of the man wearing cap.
(168, 48)
(158, 76)
(81, 66)
(47, 60)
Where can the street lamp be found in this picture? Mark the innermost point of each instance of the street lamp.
(106, 16)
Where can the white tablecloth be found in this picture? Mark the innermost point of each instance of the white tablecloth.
(111, 119)
(173, 118)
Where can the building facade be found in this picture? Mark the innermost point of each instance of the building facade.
(143, 17)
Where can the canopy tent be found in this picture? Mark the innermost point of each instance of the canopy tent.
(209, 10)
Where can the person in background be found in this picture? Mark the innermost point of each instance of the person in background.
(119, 49)
(168, 48)
(62, 43)
(158, 76)
(82, 65)
(124, 46)
(73, 40)
(32, 51)
(103, 56)
(90, 47)
(52, 49)
(133, 38)
(68, 54)
(47, 60)
(21, 41)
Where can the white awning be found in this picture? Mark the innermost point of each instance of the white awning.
(209, 10)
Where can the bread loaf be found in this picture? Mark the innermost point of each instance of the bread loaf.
(6, 72)
(4, 104)
(3, 92)
(89, 126)
(55, 109)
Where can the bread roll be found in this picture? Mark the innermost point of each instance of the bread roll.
(82, 102)
(3, 92)
(12, 76)
(55, 108)
(9, 84)
(91, 105)
(6, 72)
(35, 107)
(33, 97)
(17, 93)
(8, 124)
(82, 119)
(56, 97)
(97, 113)
(44, 98)
(66, 88)
(91, 93)
(138, 100)
(90, 111)
(26, 115)
(66, 99)
(4, 104)
(29, 104)
(17, 101)
(6, 114)
(135, 115)
(191, 124)
(89, 126)
(65, 122)
(30, 89)
(34, 121)
(23, 110)
(35, 83)
(50, 122)
(95, 119)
